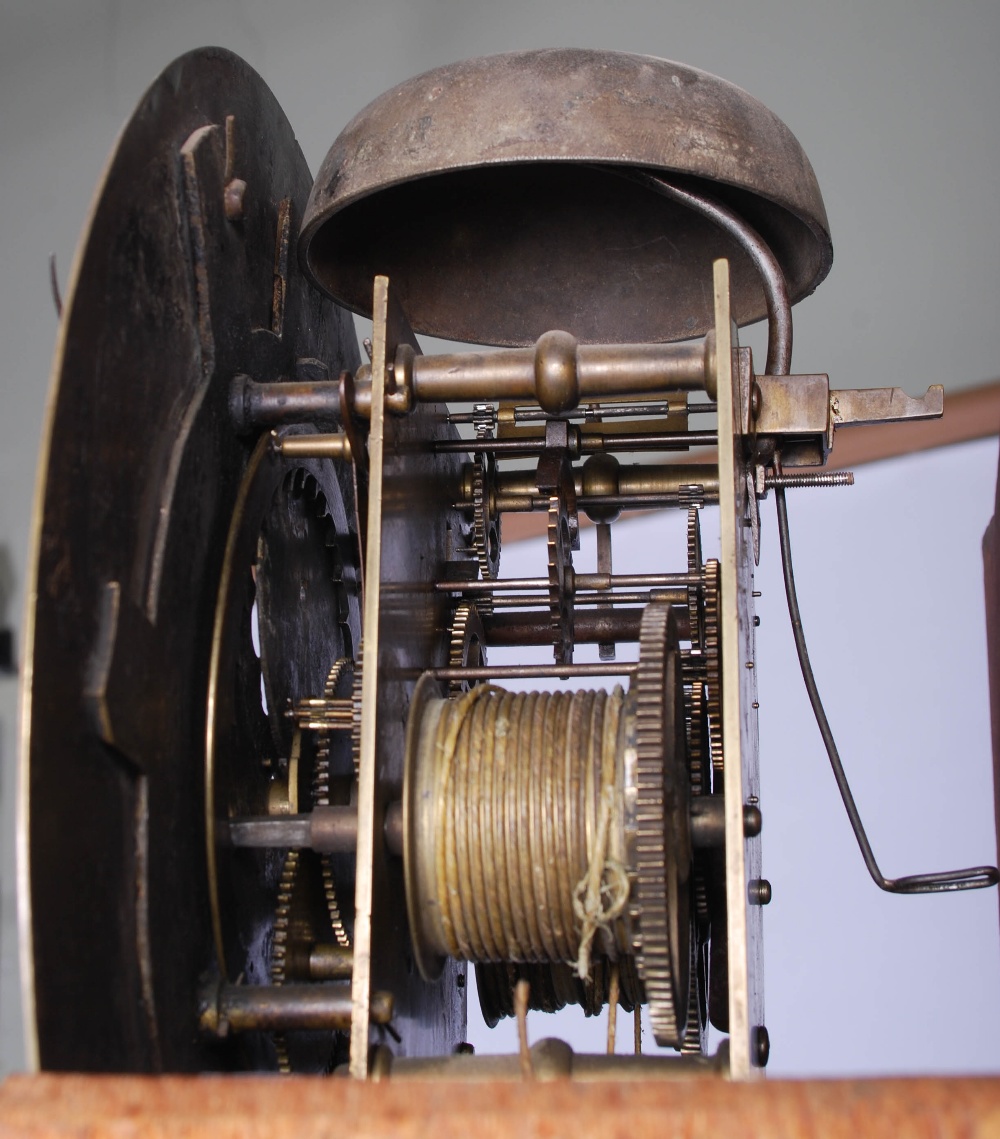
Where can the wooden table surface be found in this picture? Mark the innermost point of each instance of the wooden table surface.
(300, 1108)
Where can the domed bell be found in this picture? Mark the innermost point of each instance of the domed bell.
(495, 194)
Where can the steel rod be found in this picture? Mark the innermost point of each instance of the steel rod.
(589, 444)
(517, 629)
(535, 671)
(581, 582)
(279, 1008)
(329, 830)
(674, 596)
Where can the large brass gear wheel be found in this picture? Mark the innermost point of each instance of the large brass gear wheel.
(660, 839)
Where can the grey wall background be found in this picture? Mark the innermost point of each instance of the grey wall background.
(895, 101)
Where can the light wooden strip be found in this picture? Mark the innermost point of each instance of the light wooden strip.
(248, 1107)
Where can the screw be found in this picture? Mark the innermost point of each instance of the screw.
(758, 891)
(760, 1046)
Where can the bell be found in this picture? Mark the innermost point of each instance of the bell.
(500, 195)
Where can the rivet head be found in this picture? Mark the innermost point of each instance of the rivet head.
(752, 821)
(760, 1046)
(759, 891)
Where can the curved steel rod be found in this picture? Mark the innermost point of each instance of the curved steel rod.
(779, 308)
(973, 878)
(779, 358)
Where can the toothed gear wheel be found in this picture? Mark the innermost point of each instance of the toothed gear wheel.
(332, 905)
(698, 746)
(341, 667)
(467, 645)
(560, 571)
(713, 666)
(306, 914)
(661, 842)
(356, 708)
(695, 1042)
(696, 602)
(279, 948)
(485, 520)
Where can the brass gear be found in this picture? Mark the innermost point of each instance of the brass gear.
(321, 773)
(306, 889)
(466, 646)
(305, 913)
(713, 666)
(279, 948)
(661, 839)
(356, 708)
(485, 519)
(695, 1042)
(696, 596)
(560, 571)
(698, 746)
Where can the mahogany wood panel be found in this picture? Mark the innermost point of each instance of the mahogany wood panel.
(219, 1107)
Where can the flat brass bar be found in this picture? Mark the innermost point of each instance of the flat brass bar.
(883, 405)
(739, 724)
(361, 977)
